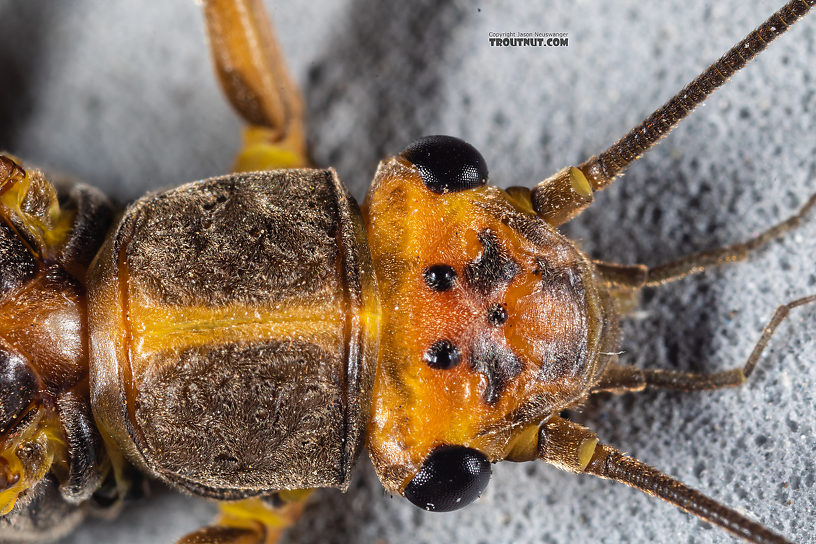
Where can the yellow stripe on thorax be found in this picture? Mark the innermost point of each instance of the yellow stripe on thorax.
(156, 329)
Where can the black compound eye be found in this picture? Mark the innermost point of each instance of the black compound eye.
(440, 277)
(442, 355)
(447, 164)
(450, 478)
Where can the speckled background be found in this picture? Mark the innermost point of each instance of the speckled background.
(122, 96)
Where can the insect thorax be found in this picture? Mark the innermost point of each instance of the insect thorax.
(227, 321)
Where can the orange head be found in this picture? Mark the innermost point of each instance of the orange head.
(491, 321)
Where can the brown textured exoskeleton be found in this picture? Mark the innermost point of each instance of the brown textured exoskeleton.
(242, 338)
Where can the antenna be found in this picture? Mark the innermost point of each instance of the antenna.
(601, 169)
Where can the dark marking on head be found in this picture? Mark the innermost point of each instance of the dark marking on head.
(497, 314)
(498, 364)
(561, 278)
(565, 358)
(568, 356)
(492, 268)
(440, 277)
(442, 355)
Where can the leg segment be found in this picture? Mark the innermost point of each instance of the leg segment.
(621, 379)
(250, 66)
(637, 276)
(252, 521)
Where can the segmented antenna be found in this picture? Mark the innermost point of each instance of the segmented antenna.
(601, 169)
(611, 464)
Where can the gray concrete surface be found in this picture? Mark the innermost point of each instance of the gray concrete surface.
(121, 95)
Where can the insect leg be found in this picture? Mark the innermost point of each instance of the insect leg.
(637, 276)
(574, 448)
(252, 521)
(253, 75)
(620, 379)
